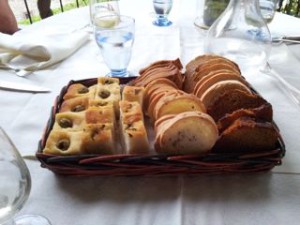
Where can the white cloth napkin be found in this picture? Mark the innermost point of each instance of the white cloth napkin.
(33, 52)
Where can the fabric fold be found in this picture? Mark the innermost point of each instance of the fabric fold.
(34, 52)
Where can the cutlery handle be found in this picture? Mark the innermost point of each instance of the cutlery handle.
(292, 38)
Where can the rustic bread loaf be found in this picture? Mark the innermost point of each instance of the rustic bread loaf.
(247, 135)
(233, 100)
(261, 113)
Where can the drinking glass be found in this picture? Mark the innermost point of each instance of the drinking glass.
(115, 36)
(268, 9)
(240, 34)
(162, 9)
(15, 185)
(100, 8)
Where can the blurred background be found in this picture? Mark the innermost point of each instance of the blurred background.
(26, 15)
(23, 15)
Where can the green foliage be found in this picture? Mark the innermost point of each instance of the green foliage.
(66, 7)
(291, 8)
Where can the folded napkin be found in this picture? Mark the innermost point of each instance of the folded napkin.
(33, 52)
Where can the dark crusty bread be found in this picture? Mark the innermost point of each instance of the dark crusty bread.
(219, 88)
(233, 100)
(261, 113)
(247, 135)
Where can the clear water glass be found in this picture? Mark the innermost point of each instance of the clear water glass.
(162, 8)
(268, 9)
(99, 8)
(115, 37)
(15, 185)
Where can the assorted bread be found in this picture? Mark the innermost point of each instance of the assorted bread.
(208, 108)
(244, 118)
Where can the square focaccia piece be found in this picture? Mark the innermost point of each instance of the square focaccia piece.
(80, 90)
(133, 94)
(75, 105)
(69, 121)
(63, 142)
(99, 139)
(133, 132)
(93, 139)
(103, 114)
(109, 90)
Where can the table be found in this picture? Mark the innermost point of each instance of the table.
(266, 198)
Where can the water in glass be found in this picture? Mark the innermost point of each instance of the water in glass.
(115, 39)
(116, 49)
(162, 9)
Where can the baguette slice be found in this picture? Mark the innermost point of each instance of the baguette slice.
(203, 65)
(186, 133)
(177, 104)
(212, 78)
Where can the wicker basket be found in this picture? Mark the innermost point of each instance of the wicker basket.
(124, 164)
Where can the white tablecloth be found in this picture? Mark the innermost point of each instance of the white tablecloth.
(268, 198)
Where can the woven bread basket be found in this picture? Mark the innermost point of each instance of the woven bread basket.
(126, 165)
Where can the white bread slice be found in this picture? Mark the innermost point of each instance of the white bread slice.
(177, 104)
(186, 133)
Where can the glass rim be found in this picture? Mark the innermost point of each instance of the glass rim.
(129, 22)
